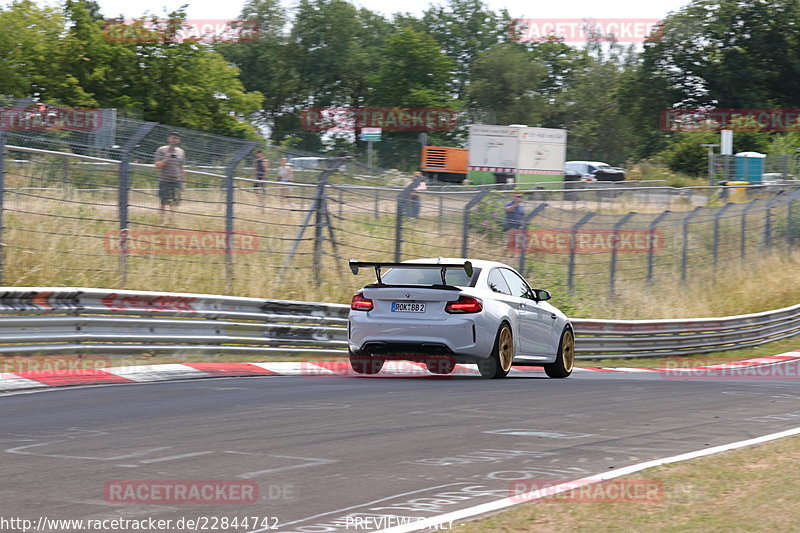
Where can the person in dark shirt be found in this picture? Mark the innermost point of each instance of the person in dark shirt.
(514, 213)
(261, 169)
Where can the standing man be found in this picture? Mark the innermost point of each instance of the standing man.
(514, 213)
(171, 176)
(261, 168)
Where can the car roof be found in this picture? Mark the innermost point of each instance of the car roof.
(596, 163)
(477, 263)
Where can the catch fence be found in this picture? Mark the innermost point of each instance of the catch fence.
(72, 214)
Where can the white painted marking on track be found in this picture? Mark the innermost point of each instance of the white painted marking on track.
(337, 511)
(308, 461)
(537, 433)
(157, 372)
(174, 457)
(470, 512)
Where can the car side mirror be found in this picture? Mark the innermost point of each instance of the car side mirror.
(541, 295)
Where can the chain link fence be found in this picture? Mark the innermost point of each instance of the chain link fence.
(75, 214)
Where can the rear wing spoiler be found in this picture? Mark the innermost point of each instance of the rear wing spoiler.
(355, 265)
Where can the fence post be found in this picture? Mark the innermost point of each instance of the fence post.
(743, 249)
(768, 222)
(441, 211)
(685, 251)
(479, 196)
(789, 225)
(613, 267)
(652, 251)
(402, 207)
(19, 105)
(317, 204)
(572, 247)
(123, 194)
(246, 148)
(717, 216)
(523, 249)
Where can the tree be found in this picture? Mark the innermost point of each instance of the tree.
(465, 28)
(31, 55)
(508, 79)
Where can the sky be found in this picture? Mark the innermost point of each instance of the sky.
(563, 9)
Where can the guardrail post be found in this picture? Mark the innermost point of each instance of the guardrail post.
(613, 267)
(246, 148)
(524, 248)
(685, 251)
(123, 195)
(403, 205)
(715, 245)
(651, 252)
(572, 247)
(789, 223)
(19, 105)
(479, 196)
(744, 228)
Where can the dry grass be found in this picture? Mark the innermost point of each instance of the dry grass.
(751, 489)
(53, 241)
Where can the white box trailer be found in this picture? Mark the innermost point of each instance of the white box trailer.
(532, 155)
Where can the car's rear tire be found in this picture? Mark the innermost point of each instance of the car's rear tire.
(499, 363)
(565, 360)
(365, 364)
(440, 365)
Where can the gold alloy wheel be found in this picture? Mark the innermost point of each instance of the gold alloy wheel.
(568, 351)
(505, 348)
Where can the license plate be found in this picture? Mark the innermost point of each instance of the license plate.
(407, 307)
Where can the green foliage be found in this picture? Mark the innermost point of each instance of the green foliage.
(487, 218)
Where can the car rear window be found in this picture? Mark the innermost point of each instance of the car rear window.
(429, 276)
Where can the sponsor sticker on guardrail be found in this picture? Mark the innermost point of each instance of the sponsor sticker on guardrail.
(180, 242)
(579, 491)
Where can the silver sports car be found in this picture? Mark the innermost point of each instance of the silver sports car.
(447, 311)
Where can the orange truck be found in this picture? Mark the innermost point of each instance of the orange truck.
(444, 164)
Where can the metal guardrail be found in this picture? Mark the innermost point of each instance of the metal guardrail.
(57, 320)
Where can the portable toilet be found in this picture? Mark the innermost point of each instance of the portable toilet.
(749, 167)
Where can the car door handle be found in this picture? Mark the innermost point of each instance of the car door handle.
(522, 306)
(554, 316)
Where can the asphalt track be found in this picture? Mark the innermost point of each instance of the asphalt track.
(327, 450)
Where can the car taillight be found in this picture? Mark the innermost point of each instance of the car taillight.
(359, 303)
(464, 304)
